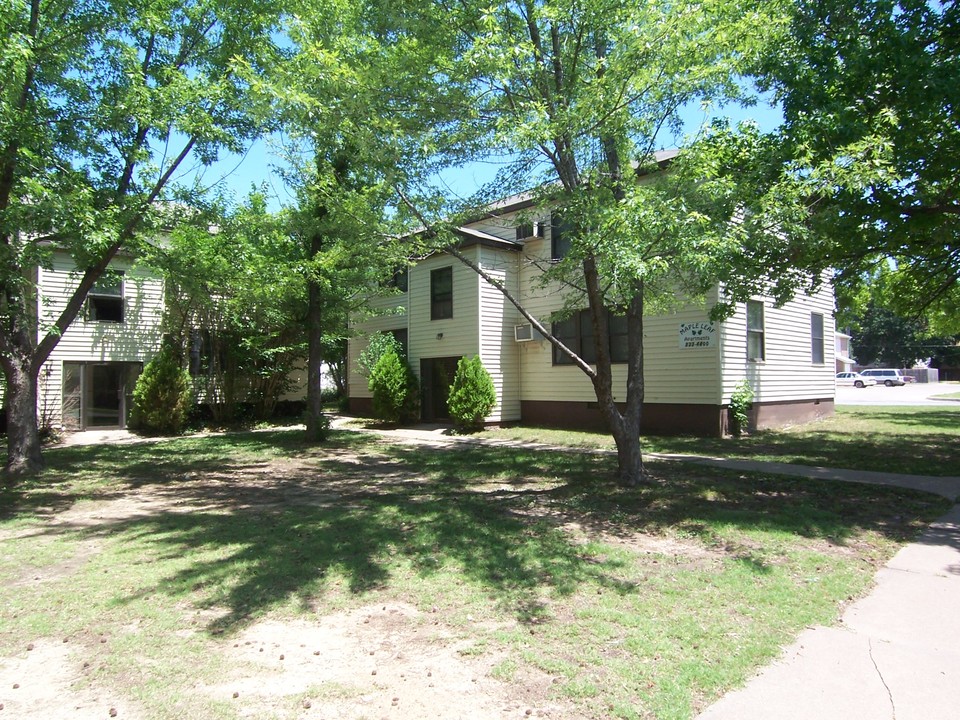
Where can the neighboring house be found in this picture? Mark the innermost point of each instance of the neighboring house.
(445, 311)
(843, 353)
(88, 380)
(89, 377)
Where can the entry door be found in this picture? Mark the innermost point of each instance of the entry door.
(436, 376)
(104, 396)
(98, 394)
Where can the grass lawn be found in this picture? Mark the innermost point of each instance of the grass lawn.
(190, 578)
(910, 440)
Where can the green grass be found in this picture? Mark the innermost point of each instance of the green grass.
(641, 603)
(916, 441)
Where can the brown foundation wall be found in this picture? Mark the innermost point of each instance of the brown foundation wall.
(361, 406)
(765, 416)
(657, 419)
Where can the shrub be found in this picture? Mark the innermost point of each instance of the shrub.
(396, 393)
(741, 400)
(472, 395)
(162, 397)
(380, 344)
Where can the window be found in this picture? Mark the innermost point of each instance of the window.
(400, 335)
(816, 338)
(559, 237)
(576, 333)
(399, 279)
(105, 299)
(441, 293)
(755, 330)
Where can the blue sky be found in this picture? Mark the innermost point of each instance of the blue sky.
(238, 173)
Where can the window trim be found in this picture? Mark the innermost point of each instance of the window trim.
(818, 343)
(441, 300)
(756, 333)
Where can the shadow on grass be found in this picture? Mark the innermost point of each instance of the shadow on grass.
(247, 533)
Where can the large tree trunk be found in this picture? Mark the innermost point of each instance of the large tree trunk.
(23, 434)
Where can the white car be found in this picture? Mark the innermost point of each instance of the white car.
(855, 379)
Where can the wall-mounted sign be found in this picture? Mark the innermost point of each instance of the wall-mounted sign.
(697, 335)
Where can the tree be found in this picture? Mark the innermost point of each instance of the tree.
(870, 100)
(101, 104)
(236, 302)
(344, 151)
(578, 96)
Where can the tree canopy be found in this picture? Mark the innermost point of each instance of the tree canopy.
(872, 119)
(102, 103)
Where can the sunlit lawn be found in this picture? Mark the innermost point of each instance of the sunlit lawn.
(918, 441)
(641, 603)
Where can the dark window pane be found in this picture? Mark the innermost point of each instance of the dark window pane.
(441, 293)
(566, 332)
(619, 344)
(816, 338)
(559, 238)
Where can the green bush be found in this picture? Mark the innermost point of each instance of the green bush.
(472, 395)
(380, 344)
(162, 397)
(741, 400)
(396, 393)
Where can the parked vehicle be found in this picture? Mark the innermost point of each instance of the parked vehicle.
(887, 376)
(855, 379)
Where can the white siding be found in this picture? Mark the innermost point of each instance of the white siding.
(451, 337)
(671, 375)
(136, 339)
(390, 313)
(787, 371)
(498, 349)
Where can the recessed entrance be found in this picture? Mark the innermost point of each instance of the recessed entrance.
(436, 376)
(98, 394)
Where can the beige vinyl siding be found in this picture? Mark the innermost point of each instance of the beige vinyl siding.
(460, 333)
(136, 339)
(787, 371)
(390, 313)
(671, 375)
(498, 317)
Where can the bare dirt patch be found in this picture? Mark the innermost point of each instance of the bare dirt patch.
(373, 662)
(376, 661)
(46, 682)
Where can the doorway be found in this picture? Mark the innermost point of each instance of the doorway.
(436, 376)
(98, 395)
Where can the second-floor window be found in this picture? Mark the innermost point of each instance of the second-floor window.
(105, 299)
(441, 293)
(559, 238)
(816, 338)
(755, 350)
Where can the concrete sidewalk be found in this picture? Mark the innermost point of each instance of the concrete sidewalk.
(896, 653)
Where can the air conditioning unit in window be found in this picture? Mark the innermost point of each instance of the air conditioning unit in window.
(525, 333)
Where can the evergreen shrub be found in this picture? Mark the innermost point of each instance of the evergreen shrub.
(472, 395)
(163, 395)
